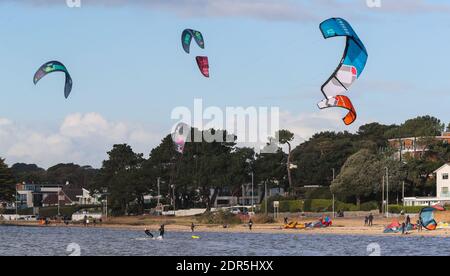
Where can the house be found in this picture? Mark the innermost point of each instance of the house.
(442, 190)
(245, 196)
(55, 199)
(413, 146)
(443, 181)
(35, 195)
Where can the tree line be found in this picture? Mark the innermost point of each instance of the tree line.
(205, 170)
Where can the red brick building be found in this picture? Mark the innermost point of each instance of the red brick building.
(414, 146)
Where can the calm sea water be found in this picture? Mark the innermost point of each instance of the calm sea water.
(65, 241)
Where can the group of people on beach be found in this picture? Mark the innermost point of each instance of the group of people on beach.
(368, 221)
(88, 221)
(404, 227)
(407, 224)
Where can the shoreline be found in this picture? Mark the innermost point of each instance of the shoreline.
(344, 227)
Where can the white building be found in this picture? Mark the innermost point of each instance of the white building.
(442, 190)
(87, 199)
(443, 181)
(80, 216)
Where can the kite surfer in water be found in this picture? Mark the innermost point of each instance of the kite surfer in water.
(148, 233)
(161, 231)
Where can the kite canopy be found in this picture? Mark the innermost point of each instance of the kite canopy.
(186, 39)
(51, 67)
(396, 227)
(352, 64)
(203, 65)
(427, 219)
(180, 136)
(342, 102)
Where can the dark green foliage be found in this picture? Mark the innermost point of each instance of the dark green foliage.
(7, 183)
(195, 178)
(397, 209)
(220, 218)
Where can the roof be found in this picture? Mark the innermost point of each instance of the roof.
(445, 165)
(426, 199)
(73, 194)
(52, 199)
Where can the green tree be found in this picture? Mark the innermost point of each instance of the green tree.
(77, 176)
(323, 152)
(7, 189)
(120, 176)
(358, 177)
(203, 167)
(29, 173)
(285, 137)
(270, 170)
(423, 126)
(373, 136)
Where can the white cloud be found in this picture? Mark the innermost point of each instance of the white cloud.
(85, 139)
(305, 125)
(260, 9)
(81, 138)
(275, 10)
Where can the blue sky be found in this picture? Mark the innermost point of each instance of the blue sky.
(130, 72)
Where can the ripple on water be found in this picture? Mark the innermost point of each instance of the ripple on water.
(30, 241)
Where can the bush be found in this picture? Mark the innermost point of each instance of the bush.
(318, 193)
(397, 209)
(318, 206)
(369, 206)
(286, 204)
(346, 207)
(263, 219)
(325, 205)
(291, 206)
(221, 217)
(295, 206)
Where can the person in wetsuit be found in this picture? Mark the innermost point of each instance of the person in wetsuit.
(148, 233)
(192, 227)
(250, 224)
(161, 231)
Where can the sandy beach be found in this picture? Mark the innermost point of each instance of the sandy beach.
(341, 226)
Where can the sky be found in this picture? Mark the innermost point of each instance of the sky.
(130, 72)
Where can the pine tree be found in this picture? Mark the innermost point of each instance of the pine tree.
(7, 189)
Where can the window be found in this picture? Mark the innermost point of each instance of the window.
(445, 176)
(444, 190)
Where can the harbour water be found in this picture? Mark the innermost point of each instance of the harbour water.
(34, 241)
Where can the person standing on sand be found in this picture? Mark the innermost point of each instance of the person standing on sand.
(286, 220)
(419, 226)
(250, 224)
(404, 229)
(370, 219)
(408, 220)
(192, 227)
(366, 221)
